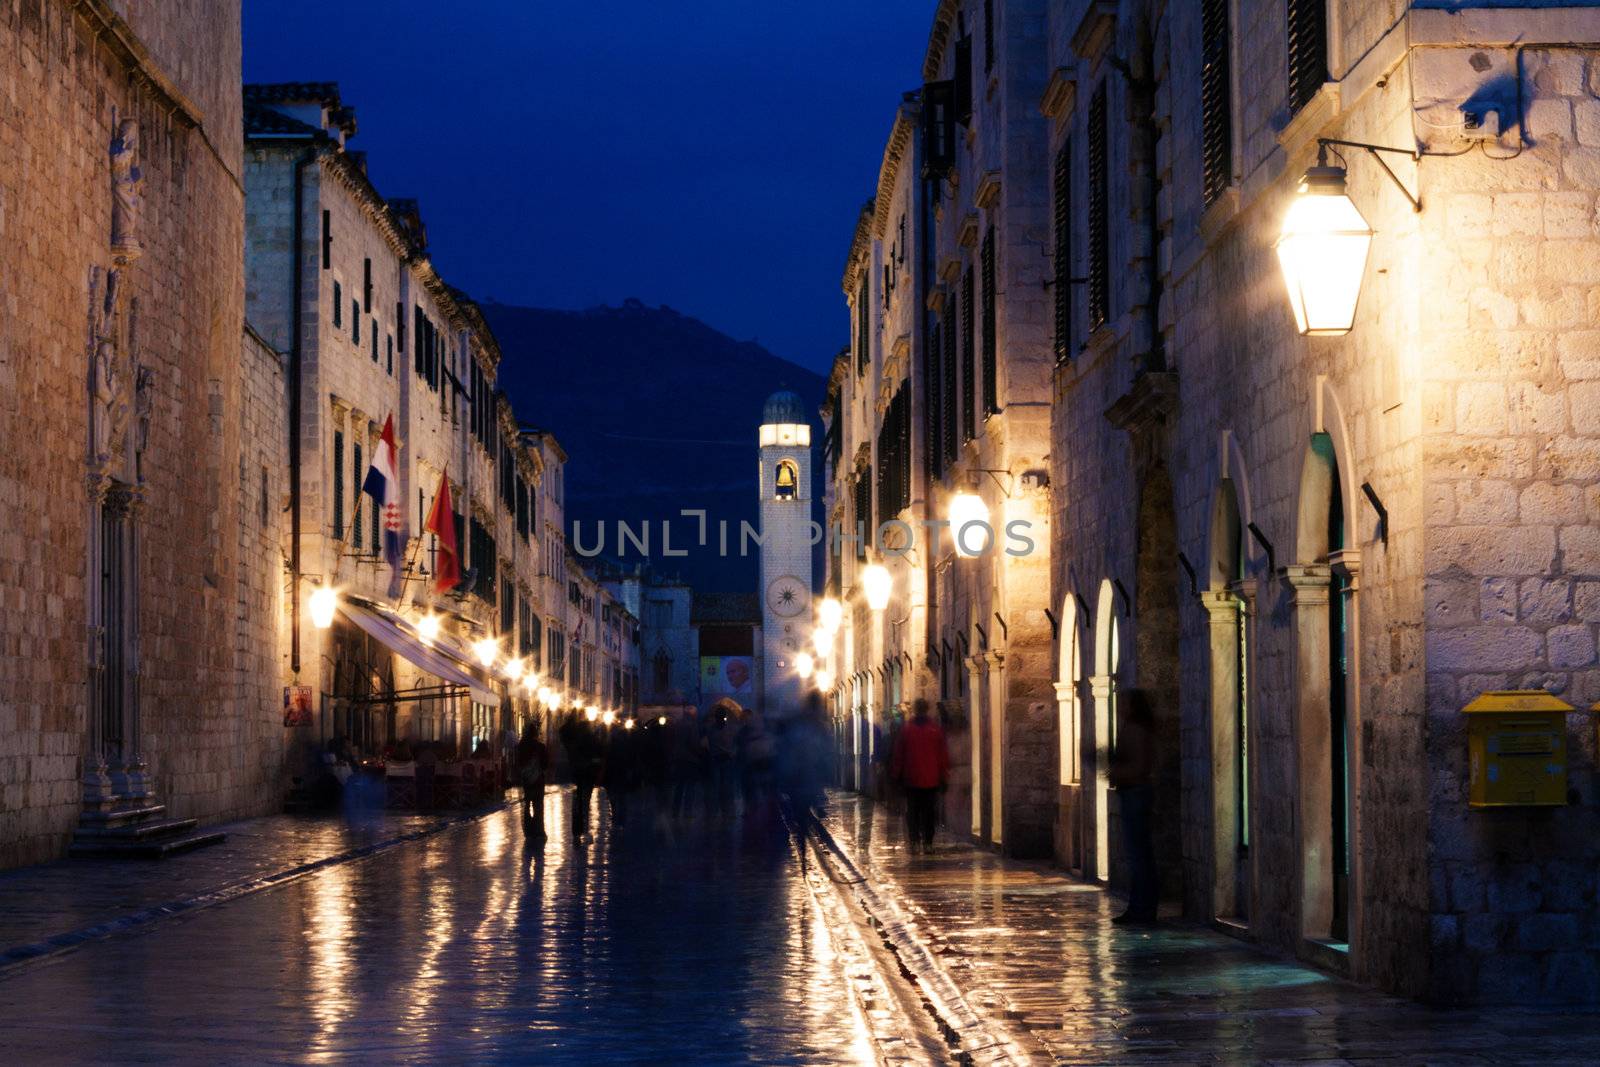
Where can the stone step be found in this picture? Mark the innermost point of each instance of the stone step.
(120, 816)
(139, 831)
(145, 848)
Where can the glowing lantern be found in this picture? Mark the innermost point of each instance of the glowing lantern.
(804, 664)
(486, 650)
(324, 599)
(877, 583)
(830, 613)
(1322, 251)
(428, 627)
(969, 524)
(825, 681)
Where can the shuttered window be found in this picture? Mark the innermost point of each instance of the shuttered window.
(355, 321)
(991, 399)
(1216, 99)
(388, 355)
(327, 241)
(373, 332)
(338, 485)
(862, 357)
(1099, 214)
(366, 285)
(969, 361)
(894, 457)
(1061, 286)
(863, 509)
(988, 35)
(418, 337)
(338, 306)
(1308, 50)
(963, 79)
(355, 507)
(952, 326)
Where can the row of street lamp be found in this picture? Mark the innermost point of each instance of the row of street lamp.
(324, 603)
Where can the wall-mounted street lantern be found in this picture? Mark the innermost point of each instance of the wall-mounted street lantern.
(324, 600)
(1323, 246)
(486, 650)
(428, 627)
(966, 509)
(877, 583)
(804, 664)
(825, 681)
(830, 613)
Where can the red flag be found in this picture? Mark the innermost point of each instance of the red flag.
(442, 524)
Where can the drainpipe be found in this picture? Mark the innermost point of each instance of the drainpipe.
(296, 357)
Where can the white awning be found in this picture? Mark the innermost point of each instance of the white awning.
(399, 636)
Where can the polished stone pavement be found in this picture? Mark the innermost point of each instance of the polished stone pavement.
(703, 946)
(1035, 951)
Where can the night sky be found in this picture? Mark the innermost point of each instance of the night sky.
(710, 155)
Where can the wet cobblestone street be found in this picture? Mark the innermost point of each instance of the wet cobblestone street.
(460, 947)
(1035, 953)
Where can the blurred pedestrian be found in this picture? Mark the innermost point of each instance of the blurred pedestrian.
(1133, 764)
(533, 766)
(688, 763)
(722, 749)
(586, 757)
(921, 767)
(623, 769)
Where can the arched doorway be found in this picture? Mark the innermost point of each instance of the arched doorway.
(1069, 713)
(1324, 612)
(1228, 602)
(1103, 693)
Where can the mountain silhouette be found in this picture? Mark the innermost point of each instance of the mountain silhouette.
(658, 414)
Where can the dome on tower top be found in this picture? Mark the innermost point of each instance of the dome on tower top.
(784, 407)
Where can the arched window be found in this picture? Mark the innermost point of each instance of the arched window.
(786, 480)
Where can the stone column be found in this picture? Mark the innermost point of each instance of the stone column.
(1308, 586)
(1223, 608)
(975, 724)
(1102, 694)
(998, 748)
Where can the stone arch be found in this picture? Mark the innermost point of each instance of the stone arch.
(1324, 584)
(1103, 696)
(1069, 735)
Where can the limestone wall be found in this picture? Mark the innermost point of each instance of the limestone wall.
(60, 94)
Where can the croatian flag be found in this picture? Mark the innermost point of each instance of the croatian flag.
(383, 486)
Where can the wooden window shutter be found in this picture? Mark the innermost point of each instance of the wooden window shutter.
(416, 342)
(938, 137)
(969, 361)
(338, 485)
(988, 35)
(338, 306)
(373, 332)
(355, 506)
(1099, 213)
(991, 402)
(951, 443)
(366, 285)
(355, 321)
(862, 328)
(963, 79)
(1061, 287)
(1216, 99)
(400, 326)
(1308, 50)
(327, 241)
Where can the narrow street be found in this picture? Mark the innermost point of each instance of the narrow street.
(637, 948)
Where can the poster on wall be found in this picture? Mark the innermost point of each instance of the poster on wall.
(727, 676)
(297, 705)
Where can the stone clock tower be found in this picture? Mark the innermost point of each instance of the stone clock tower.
(785, 549)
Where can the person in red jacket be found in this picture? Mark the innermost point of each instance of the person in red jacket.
(921, 764)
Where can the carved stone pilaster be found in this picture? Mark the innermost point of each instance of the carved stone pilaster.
(1308, 584)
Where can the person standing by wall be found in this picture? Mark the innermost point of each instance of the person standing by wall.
(921, 765)
(1133, 777)
(533, 766)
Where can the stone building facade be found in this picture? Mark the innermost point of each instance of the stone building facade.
(376, 335)
(1311, 552)
(945, 393)
(120, 397)
(1332, 543)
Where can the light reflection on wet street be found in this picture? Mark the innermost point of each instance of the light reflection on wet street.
(641, 947)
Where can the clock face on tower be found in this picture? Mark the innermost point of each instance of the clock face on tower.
(786, 596)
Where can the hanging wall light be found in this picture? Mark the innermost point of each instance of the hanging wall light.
(830, 613)
(877, 583)
(428, 627)
(825, 681)
(486, 650)
(1322, 251)
(324, 600)
(966, 510)
(804, 664)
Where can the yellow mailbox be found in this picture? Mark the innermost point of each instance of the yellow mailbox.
(1517, 742)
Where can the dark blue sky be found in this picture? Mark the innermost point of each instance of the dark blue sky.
(709, 154)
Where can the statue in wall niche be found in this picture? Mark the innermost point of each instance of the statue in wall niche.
(144, 392)
(125, 180)
(110, 401)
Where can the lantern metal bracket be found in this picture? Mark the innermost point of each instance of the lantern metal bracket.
(1374, 151)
